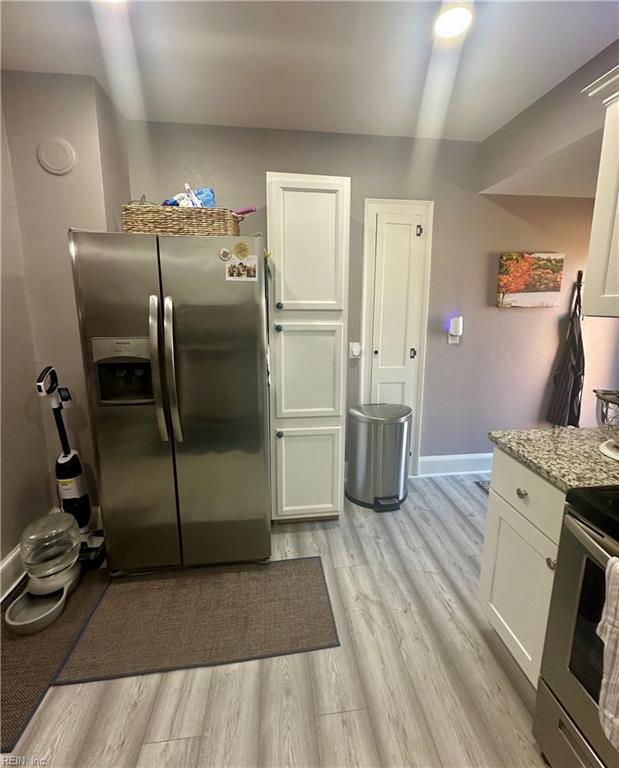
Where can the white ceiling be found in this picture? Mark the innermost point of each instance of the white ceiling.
(345, 67)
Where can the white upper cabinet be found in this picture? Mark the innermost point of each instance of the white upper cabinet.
(308, 239)
(601, 289)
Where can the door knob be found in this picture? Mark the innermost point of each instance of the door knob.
(279, 305)
(278, 328)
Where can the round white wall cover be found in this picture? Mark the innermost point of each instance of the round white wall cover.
(56, 155)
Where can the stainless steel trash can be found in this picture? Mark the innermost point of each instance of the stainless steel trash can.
(378, 455)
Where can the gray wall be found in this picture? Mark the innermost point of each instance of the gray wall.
(25, 491)
(557, 120)
(37, 106)
(113, 158)
(497, 378)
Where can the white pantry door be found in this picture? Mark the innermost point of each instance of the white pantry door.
(308, 221)
(396, 283)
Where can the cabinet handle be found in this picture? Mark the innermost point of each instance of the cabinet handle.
(279, 305)
(521, 493)
(375, 351)
(279, 328)
(552, 564)
(279, 434)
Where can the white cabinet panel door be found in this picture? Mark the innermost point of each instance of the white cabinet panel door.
(308, 466)
(601, 289)
(397, 307)
(308, 224)
(309, 369)
(516, 583)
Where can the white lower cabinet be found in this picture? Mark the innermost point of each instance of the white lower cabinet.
(308, 466)
(516, 582)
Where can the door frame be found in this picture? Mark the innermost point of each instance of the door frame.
(372, 208)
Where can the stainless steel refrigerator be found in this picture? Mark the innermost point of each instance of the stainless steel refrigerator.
(174, 343)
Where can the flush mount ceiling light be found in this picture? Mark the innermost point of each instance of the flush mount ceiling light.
(453, 22)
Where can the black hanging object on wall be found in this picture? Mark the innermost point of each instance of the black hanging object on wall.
(569, 375)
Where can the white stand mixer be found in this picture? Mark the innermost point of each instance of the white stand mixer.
(607, 414)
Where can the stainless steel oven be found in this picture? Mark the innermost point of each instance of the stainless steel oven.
(567, 725)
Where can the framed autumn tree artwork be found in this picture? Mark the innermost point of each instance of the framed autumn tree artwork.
(529, 279)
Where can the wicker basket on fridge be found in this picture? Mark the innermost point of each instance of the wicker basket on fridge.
(145, 218)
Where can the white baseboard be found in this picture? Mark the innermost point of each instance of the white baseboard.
(11, 572)
(456, 464)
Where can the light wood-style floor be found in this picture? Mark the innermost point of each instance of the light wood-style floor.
(416, 681)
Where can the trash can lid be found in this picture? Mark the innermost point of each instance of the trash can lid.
(387, 413)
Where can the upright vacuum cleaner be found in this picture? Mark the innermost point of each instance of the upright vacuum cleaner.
(70, 481)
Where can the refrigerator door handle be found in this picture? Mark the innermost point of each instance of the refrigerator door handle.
(153, 335)
(168, 334)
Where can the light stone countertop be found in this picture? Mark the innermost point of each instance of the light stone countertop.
(565, 456)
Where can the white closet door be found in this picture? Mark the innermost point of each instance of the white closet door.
(308, 461)
(309, 369)
(398, 295)
(308, 216)
(308, 232)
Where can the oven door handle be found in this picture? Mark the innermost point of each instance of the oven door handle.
(593, 547)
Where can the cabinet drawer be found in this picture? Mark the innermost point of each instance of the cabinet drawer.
(535, 498)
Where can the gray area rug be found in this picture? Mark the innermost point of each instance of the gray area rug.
(31, 662)
(202, 617)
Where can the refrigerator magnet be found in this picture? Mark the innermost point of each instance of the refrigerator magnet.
(242, 270)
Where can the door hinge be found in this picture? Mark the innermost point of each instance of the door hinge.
(413, 353)
(419, 230)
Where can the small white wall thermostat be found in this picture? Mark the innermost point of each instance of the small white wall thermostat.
(456, 326)
(355, 350)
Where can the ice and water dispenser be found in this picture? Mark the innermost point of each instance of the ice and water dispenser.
(123, 370)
